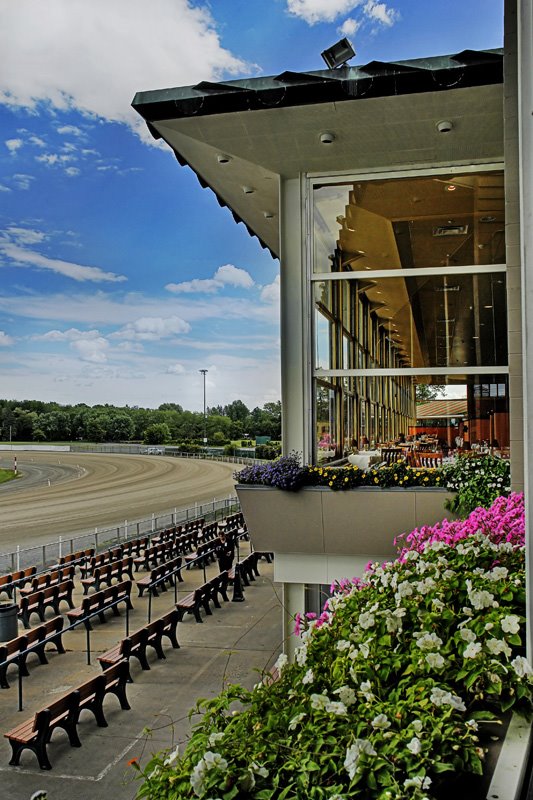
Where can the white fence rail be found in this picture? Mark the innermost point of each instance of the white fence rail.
(43, 555)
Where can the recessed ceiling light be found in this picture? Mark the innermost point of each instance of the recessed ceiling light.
(222, 158)
(268, 214)
(248, 190)
(450, 188)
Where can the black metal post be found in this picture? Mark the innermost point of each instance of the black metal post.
(20, 689)
(88, 631)
(149, 604)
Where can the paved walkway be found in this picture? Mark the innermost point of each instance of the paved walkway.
(227, 648)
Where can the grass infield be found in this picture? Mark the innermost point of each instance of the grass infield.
(7, 475)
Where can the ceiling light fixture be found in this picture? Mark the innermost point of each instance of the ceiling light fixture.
(248, 190)
(268, 214)
(222, 158)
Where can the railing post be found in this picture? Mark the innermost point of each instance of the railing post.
(21, 708)
(127, 619)
(18, 557)
(60, 549)
(44, 556)
(88, 631)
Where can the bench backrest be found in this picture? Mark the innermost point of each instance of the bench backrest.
(118, 673)
(53, 625)
(31, 600)
(62, 706)
(13, 646)
(5, 579)
(94, 686)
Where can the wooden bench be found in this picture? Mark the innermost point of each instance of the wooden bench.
(77, 558)
(106, 573)
(192, 602)
(135, 546)
(51, 597)
(46, 579)
(155, 555)
(164, 573)
(136, 643)
(50, 632)
(218, 586)
(35, 733)
(16, 580)
(31, 604)
(97, 602)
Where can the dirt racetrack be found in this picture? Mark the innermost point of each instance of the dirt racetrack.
(62, 493)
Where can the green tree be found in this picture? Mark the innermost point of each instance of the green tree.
(425, 392)
(158, 433)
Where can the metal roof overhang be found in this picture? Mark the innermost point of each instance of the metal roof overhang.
(383, 117)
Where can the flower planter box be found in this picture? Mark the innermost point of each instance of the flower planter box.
(318, 520)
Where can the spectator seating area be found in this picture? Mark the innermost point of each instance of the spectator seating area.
(92, 585)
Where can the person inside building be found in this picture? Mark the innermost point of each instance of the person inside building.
(224, 551)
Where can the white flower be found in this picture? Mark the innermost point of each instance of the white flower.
(336, 707)
(497, 574)
(319, 701)
(366, 688)
(308, 677)
(295, 721)
(467, 611)
(417, 724)
(343, 644)
(417, 783)
(438, 605)
(521, 667)
(429, 641)
(414, 746)
(346, 695)
(214, 761)
(281, 663)
(354, 753)
(496, 646)
(472, 724)
(439, 697)
(467, 635)
(481, 599)
(261, 771)
(366, 620)
(405, 589)
(301, 655)
(472, 650)
(169, 760)
(435, 660)
(510, 624)
(381, 722)
(214, 738)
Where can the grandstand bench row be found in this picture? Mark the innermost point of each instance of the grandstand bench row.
(14, 651)
(35, 733)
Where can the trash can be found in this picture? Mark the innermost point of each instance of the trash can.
(9, 627)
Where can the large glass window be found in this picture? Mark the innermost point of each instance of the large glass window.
(417, 313)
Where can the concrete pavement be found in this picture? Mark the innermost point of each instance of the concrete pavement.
(229, 647)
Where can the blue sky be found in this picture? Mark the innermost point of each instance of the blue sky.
(120, 277)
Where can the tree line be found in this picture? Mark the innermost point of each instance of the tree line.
(38, 421)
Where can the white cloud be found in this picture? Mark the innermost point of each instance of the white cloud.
(25, 235)
(72, 172)
(313, 11)
(5, 340)
(380, 12)
(95, 55)
(77, 272)
(227, 275)
(234, 276)
(175, 369)
(13, 145)
(4, 188)
(93, 350)
(349, 27)
(37, 141)
(196, 286)
(70, 335)
(270, 292)
(48, 158)
(70, 130)
(22, 181)
(153, 328)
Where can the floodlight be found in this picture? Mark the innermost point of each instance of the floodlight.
(337, 55)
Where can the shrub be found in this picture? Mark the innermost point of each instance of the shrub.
(477, 482)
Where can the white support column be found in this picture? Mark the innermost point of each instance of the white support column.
(524, 23)
(295, 433)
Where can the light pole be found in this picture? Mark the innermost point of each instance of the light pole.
(204, 373)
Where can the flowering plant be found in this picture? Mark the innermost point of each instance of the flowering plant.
(391, 688)
(477, 482)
